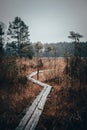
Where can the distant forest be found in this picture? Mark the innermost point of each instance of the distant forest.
(63, 47)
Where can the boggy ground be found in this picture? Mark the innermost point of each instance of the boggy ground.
(15, 98)
(65, 109)
(13, 104)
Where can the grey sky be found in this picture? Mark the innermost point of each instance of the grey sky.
(48, 20)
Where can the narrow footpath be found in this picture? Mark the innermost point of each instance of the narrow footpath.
(32, 116)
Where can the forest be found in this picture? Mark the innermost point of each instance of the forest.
(66, 104)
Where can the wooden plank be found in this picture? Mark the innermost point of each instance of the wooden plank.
(36, 115)
(30, 111)
(32, 116)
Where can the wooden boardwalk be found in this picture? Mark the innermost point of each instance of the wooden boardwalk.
(32, 116)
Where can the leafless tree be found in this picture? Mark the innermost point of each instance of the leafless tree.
(38, 47)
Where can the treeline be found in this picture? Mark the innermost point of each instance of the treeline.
(16, 42)
(61, 48)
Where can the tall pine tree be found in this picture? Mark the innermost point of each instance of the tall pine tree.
(18, 32)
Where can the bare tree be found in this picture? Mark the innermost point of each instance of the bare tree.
(38, 47)
(54, 51)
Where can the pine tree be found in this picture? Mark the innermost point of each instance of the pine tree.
(76, 39)
(18, 32)
(76, 62)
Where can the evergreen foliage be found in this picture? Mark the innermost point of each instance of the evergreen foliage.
(18, 35)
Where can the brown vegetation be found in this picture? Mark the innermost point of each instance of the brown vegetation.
(66, 107)
(16, 93)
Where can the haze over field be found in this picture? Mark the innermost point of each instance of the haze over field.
(48, 20)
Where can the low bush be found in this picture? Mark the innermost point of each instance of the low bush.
(22, 80)
(8, 70)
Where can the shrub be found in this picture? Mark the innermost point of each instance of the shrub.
(22, 80)
(8, 70)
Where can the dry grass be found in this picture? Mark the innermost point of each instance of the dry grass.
(15, 99)
(66, 108)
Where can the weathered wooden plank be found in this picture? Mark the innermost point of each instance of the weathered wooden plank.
(30, 111)
(36, 115)
(32, 116)
(39, 83)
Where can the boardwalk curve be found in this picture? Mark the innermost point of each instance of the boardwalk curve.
(31, 118)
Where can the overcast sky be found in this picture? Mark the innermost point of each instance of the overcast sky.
(48, 20)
